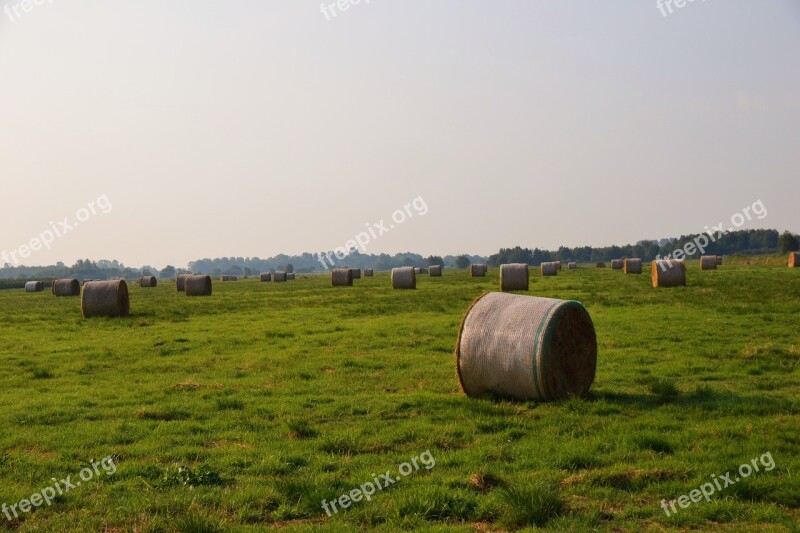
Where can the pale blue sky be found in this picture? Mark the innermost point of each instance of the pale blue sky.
(251, 128)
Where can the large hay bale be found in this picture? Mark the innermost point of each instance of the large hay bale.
(708, 262)
(197, 285)
(616, 264)
(478, 270)
(719, 260)
(600, 264)
(66, 287)
(435, 271)
(342, 277)
(279, 277)
(668, 273)
(368, 273)
(180, 282)
(514, 277)
(526, 348)
(266, 276)
(549, 269)
(290, 276)
(794, 259)
(633, 266)
(404, 278)
(105, 298)
(148, 282)
(356, 273)
(572, 266)
(34, 286)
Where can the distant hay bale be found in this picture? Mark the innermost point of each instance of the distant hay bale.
(616, 264)
(526, 348)
(600, 264)
(290, 276)
(549, 269)
(668, 273)
(719, 260)
(558, 265)
(279, 277)
(514, 277)
(266, 276)
(478, 270)
(34, 286)
(197, 285)
(105, 298)
(435, 271)
(708, 262)
(342, 277)
(572, 266)
(66, 287)
(404, 278)
(180, 282)
(148, 282)
(794, 259)
(633, 266)
(368, 273)
(423, 270)
(224, 278)
(356, 273)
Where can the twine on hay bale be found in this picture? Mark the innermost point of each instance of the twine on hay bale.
(404, 278)
(600, 264)
(526, 348)
(549, 269)
(197, 285)
(478, 271)
(266, 276)
(616, 264)
(279, 277)
(105, 298)
(572, 266)
(514, 277)
(34, 286)
(368, 272)
(668, 273)
(794, 259)
(633, 266)
(435, 271)
(342, 277)
(66, 287)
(148, 282)
(708, 262)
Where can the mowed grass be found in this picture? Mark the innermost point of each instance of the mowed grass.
(243, 411)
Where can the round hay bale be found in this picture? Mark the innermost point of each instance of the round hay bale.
(514, 277)
(572, 266)
(549, 269)
(279, 277)
(794, 259)
(404, 278)
(435, 271)
(600, 264)
(558, 265)
(180, 281)
(148, 281)
(478, 271)
(290, 276)
(526, 348)
(633, 266)
(197, 285)
(719, 260)
(105, 298)
(342, 277)
(708, 262)
(356, 273)
(668, 273)
(266, 276)
(34, 286)
(616, 264)
(368, 272)
(66, 287)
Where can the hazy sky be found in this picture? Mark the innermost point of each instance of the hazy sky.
(251, 128)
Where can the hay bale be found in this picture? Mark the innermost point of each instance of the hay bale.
(514, 277)
(197, 285)
(266, 276)
(549, 269)
(66, 287)
(600, 264)
(290, 276)
(794, 259)
(356, 273)
(404, 278)
(368, 272)
(478, 271)
(342, 277)
(572, 266)
(708, 262)
(719, 260)
(616, 264)
(526, 348)
(633, 266)
(148, 282)
(435, 271)
(668, 273)
(279, 277)
(34, 286)
(105, 298)
(180, 281)
(558, 265)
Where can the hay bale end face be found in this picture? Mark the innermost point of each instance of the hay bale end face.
(435, 271)
(342, 277)
(719, 260)
(105, 298)
(356, 273)
(616, 264)
(549, 269)
(668, 273)
(794, 259)
(404, 278)
(600, 264)
(572, 266)
(514, 277)
(368, 273)
(34, 286)
(180, 281)
(279, 277)
(708, 262)
(526, 348)
(266, 276)
(478, 270)
(197, 285)
(66, 287)
(633, 266)
(148, 282)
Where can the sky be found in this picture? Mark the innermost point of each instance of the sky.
(257, 127)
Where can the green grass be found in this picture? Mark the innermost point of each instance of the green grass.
(245, 410)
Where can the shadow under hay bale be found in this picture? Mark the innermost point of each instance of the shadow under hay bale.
(34, 286)
(105, 298)
(197, 285)
(148, 282)
(668, 273)
(266, 276)
(279, 277)
(526, 348)
(404, 278)
(548, 269)
(435, 271)
(66, 287)
(633, 266)
(478, 271)
(342, 277)
(708, 262)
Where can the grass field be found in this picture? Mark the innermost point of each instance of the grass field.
(243, 411)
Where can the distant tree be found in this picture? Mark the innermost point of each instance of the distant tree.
(788, 242)
(289, 268)
(167, 272)
(435, 260)
(146, 272)
(462, 261)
